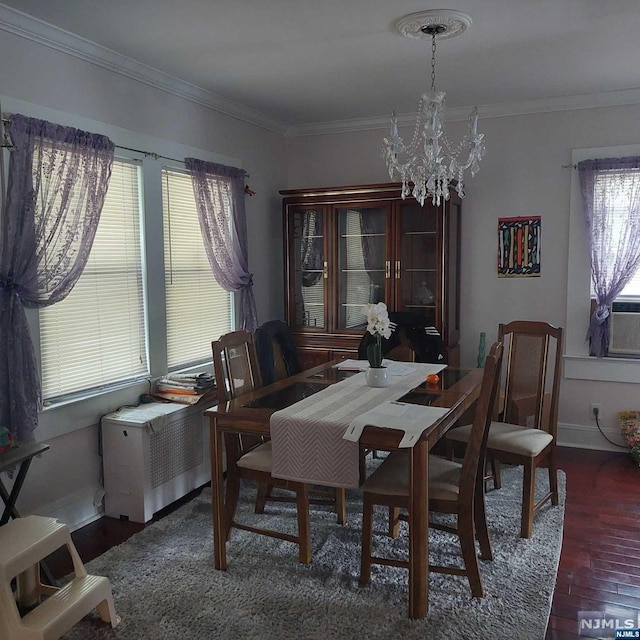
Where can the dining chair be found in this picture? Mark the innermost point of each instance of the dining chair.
(413, 339)
(454, 488)
(525, 431)
(249, 458)
(276, 351)
(278, 359)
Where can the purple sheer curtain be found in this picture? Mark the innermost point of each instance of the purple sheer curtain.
(611, 198)
(58, 177)
(219, 194)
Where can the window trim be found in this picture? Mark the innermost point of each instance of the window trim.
(578, 363)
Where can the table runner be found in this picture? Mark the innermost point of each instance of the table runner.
(307, 437)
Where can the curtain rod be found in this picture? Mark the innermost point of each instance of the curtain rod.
(150, 154)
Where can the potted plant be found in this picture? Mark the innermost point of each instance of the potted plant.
(379, 326)
(630, 429)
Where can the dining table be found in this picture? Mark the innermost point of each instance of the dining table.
(454, 393)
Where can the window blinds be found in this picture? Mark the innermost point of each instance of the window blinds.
(96, 336)
(199, 310)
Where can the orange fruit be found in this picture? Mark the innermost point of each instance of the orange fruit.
(433, 378)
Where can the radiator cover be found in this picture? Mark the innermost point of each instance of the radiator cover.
(153, 455)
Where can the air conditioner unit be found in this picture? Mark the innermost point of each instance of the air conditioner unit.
(624, 333)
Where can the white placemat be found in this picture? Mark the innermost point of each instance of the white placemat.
(413, 419)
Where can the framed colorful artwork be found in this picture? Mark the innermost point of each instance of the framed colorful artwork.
(518, 247)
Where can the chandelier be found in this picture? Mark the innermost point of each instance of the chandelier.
(431, 162)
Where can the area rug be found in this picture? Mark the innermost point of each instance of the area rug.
(165, 586)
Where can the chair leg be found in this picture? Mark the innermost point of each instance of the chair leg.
(365, 557)
(394, 522)
(304, 528)
(482, 532)
(468, 545)
(449, 449)
(495, 470)
(553, 476)
(264, 491)
(528, 503)
(232, 491)
(341, 506)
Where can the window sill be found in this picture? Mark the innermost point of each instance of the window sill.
(61, 418)
(602, 369)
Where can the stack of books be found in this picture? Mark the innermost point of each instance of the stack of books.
(186, 388)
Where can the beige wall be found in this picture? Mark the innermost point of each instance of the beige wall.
(522, 174)
(43, 82)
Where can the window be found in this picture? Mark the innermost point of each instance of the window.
(632, 290)
(612, 189)
(613, 209)
(199, 310)
(97, 336)
(577, 362)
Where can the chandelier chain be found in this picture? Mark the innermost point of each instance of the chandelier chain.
(433, 62)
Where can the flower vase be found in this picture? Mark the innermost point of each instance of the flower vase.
(378, 377)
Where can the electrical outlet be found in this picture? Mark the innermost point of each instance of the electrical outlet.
(596, 411)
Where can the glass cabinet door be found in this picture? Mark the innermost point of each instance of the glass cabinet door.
(309, 268)
(416, 267)
(362, 262)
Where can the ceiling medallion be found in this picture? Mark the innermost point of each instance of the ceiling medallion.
(415, 25)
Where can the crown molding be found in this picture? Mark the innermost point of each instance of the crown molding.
(30, 28)
(619, 98)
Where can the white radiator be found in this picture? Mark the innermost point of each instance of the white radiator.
(153, 454)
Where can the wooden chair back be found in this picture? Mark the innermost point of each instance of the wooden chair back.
(472, 473)
(235, 364)
(402, 352)
(533, 372)
(276, 351)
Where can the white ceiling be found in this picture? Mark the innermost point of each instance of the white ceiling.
(318, 61)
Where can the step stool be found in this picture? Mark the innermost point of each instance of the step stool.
(23, 543)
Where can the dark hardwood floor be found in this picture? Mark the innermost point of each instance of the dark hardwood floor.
(600, 561)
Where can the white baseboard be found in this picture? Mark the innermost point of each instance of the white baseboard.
(583, 437)
(75, 510)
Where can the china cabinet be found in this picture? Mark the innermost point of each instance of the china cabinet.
(348, 246)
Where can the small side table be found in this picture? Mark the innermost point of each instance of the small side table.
(22, 455)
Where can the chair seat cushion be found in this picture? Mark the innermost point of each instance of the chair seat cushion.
(391, 478)
(511, 438)
(258, 459)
